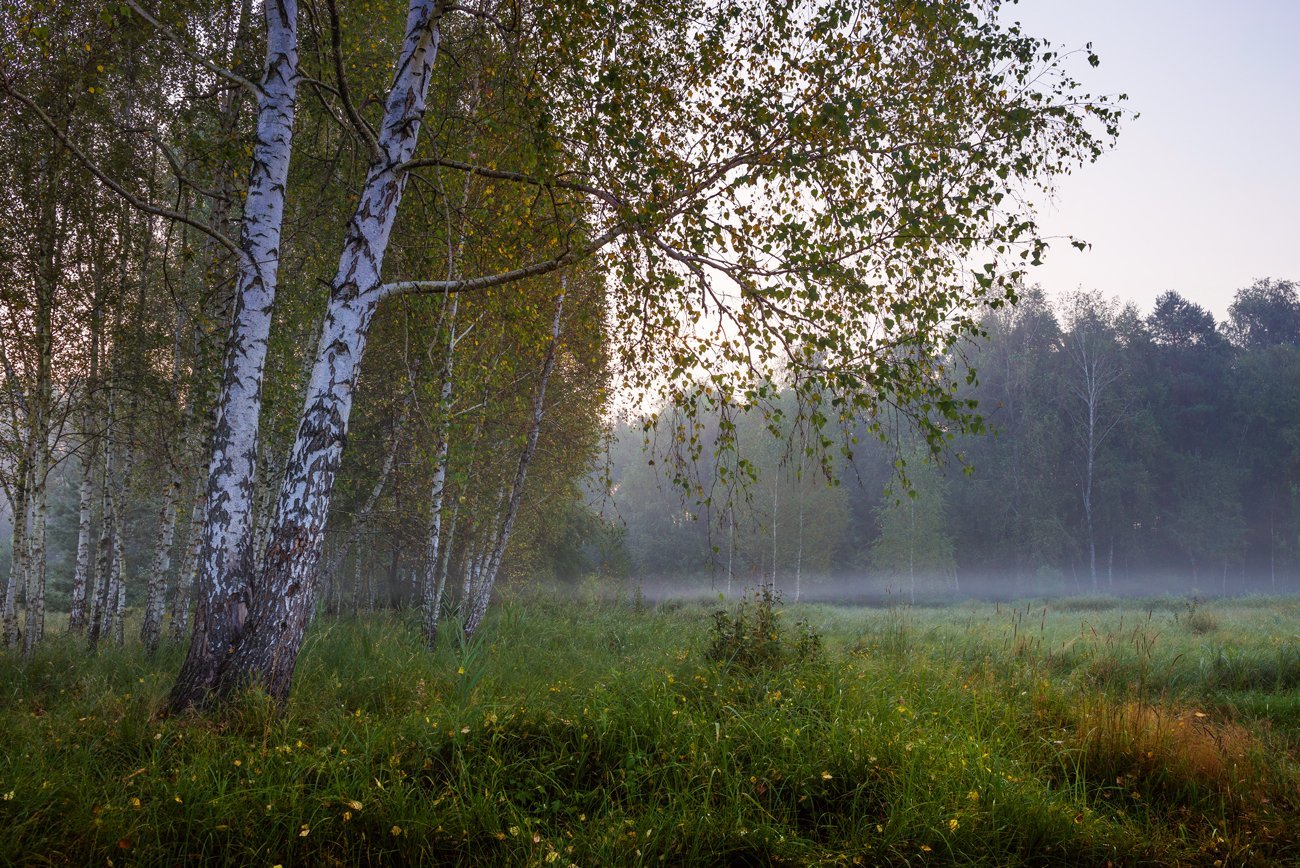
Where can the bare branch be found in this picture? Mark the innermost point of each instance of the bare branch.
(518, 177)
(363, 129)
(546, 266)
(179, 171)
(175, 39)
(133, 200)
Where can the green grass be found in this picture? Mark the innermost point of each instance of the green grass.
(594, 734)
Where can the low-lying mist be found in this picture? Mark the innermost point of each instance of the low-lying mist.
(863, 588)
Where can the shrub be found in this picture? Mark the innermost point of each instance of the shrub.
(752, 637)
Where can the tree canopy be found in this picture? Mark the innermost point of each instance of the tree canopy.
(824, 194)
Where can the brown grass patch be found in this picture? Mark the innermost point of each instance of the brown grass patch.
(1171, 751)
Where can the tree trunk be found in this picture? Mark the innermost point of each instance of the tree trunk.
(435, 581)
(225, 555)
(151, 628)
(17, 559)
(267, 650)
(100, 612)
(36, 561)
(85, 549)
(180, 608)
(484, 592)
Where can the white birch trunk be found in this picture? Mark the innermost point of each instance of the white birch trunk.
(36, 561)
(225, 559)
(100, 610)
(85, 552)
(435, 581)
(118, 576)
(181, 600)
(160, 567)
(268, 648)
(17, 560)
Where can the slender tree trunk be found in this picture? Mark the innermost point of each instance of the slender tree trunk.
(435, 581)
(83, 589)
(267, 650)
(151, 628)
(225, 554)
(181, 600)
(17, 560)
(356, 573)
(100, 611)
(484, 593)
(119, 578)
(85, 548)
(36, 561)
(116, 597)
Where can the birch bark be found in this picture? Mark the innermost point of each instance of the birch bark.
(83, 592)
(81, 572)
(36, 562)
(285, 591)
(17, 559)
(434, 584)
(180, 606)
(225, 554)
(151, 628)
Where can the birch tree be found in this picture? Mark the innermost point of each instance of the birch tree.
(805, 185)
(1094, 365)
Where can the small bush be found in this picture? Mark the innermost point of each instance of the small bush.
(1196, 620)
(752, 637)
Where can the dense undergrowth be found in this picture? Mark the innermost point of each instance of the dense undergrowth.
(599, 734)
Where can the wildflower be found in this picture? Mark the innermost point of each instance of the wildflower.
(826, 776)
(9, 796)
(953, 824)
(135, 803)
(396, 830)
(304, 831)
(353, 804)
(973, 795)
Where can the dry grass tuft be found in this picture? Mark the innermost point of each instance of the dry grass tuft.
(1173, 751)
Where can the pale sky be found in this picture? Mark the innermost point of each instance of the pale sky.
(1202, 194)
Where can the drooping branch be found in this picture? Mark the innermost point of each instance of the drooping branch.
(108, 181)
(336, 49)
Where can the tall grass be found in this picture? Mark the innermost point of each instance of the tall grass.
(595, 734)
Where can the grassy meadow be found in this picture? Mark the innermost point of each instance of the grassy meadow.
(1161, 732)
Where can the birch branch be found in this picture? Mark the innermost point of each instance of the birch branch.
(175, 39)
(133, 200)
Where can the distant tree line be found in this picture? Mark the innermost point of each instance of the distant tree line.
(1125, 452)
